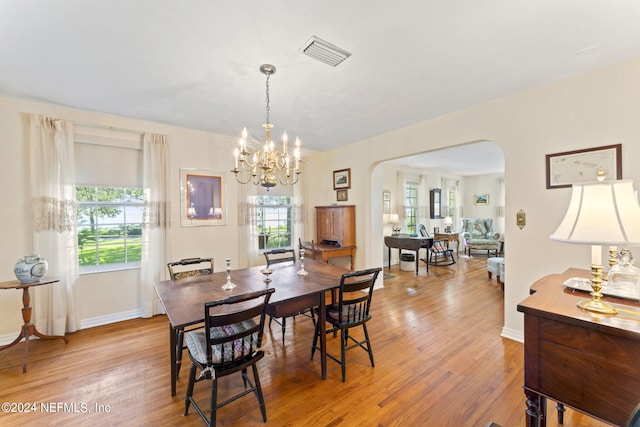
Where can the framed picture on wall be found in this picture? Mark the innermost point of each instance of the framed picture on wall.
(572, 167)
(386, 202)
(481, 199)
(342, 179)
(342, 195)
(202, 198)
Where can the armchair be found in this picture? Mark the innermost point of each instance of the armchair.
(478, 234)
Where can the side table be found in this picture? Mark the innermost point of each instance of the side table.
(28, 328)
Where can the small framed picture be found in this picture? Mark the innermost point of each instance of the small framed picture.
(386, 202)
(342, 179)
(481, 199)
(342, 195)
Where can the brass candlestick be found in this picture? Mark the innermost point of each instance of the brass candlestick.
(596, 304)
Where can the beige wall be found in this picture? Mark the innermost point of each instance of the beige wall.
(589, 110)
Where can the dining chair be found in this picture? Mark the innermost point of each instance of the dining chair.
(186, 268)
(231, 342)
(351, 310)
(276, 256)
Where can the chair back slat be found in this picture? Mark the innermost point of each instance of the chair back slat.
(276, 256)
(190, 267)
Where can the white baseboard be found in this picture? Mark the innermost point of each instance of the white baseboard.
(110, 318)
(512, 334)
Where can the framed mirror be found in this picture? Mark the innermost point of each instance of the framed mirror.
(435, 203)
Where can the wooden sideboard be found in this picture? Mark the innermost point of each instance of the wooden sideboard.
(584, 360)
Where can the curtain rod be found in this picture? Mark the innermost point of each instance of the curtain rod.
(93, 125)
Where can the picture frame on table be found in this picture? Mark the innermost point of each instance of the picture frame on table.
(202, 198)
(342, 179)
(481, 199)
(573, 167)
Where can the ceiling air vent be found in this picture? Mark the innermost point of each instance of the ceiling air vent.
(324, 51)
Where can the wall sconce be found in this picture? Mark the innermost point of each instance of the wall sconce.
(521, 219)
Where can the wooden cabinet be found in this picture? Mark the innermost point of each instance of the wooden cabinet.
(337, 223)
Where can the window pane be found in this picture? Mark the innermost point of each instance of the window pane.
(274, 223)
(110, 194)
(134, 194)
(109, 225)
(86, 194)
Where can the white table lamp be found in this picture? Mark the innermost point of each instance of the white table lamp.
(600, 213)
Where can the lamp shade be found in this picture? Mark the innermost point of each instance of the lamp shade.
(601, 213)
(394, 218)
(448, 220)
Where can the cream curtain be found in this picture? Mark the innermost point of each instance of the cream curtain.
(400, 206)
(300, 192)
(247, 217)
(54, 213)
(155, 220)
(423, 201)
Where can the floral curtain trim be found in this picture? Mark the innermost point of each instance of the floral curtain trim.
(51, 214)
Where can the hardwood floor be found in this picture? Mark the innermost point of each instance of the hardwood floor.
(440, 361)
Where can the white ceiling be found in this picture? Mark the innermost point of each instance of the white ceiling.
(195, 63)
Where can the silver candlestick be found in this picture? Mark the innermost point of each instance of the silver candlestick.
(228, 285)
(302, 272)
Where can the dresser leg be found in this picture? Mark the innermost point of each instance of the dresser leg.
(535, 412)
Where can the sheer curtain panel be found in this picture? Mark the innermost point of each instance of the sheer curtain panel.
(54, 213)
(155, 220)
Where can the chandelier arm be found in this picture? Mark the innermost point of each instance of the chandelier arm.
(250, 176)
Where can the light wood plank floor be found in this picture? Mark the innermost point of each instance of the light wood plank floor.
(440, 361)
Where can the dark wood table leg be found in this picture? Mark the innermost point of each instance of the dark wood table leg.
(173, 341)
(560, 409)
(323, 335)
(29, 329)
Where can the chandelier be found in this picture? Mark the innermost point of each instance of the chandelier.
(267, 167)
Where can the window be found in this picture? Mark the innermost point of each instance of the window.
(109, 227)
(108, 166)
(411, 206)
(274, 222)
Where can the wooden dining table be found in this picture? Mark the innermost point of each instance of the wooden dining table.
(183, 299)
